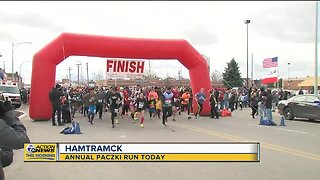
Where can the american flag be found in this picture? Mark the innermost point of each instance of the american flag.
(270, 62)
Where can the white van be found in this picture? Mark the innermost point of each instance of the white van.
(11, 92)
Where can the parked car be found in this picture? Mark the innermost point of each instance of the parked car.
(301, 106)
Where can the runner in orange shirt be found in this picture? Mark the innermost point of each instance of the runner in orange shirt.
(185, 102)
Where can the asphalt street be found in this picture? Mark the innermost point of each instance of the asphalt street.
(287, 152)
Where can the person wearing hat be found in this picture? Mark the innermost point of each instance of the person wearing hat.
(55, 98)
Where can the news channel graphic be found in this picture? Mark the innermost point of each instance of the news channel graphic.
(143, 152)
(40, 152)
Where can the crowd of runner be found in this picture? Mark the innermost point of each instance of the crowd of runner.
(156, 102)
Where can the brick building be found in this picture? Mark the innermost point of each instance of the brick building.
(293, 83)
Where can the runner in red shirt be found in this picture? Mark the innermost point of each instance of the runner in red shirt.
(176, 102)
(126, 102)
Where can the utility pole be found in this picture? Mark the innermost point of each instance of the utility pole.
(87, 74)
(69, 69)
(78, 74)
(247, 23)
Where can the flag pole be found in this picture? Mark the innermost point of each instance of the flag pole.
(316, 53)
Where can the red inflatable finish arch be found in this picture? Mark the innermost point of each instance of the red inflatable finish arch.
(68, 44)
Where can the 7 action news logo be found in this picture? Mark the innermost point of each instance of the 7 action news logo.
(41, 148)
(40, 152)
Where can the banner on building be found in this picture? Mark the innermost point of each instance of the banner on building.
(142, 152)
(124, 68)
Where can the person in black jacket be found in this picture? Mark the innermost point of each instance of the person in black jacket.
(101, 96)
(262, 102)
(13, 135)
(113, 101)
(254, 101)
(232, 100)
(55, 98)
(213, 105)
(269, 100)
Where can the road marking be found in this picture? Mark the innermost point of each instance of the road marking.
(237, 138)
(293, 131)
(302, 132)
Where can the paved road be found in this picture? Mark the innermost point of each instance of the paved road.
(289, 152)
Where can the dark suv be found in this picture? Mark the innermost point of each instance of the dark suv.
(302, 106)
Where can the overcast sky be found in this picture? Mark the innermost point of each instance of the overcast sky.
(215, 29)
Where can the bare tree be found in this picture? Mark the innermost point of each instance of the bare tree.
(99, 77)
(216, 76)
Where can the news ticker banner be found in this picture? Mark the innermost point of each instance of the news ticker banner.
(142, 152)
(124, 68)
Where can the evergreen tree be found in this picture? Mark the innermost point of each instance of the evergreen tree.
(232, 76)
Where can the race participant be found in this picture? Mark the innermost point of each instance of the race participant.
(176, 102)
(200, 97)
(152, 106)
(185, 102)
(167, 101)
(159, 107)
(84, 103)
(91, 103)
(126, 102)
(153, 93)
(132, 107)
(120, 91)
(141, 106)
(75, 101)
(101, 98)
(191, 100)
(113, 101)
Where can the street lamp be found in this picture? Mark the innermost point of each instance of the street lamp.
(289, 76)
(13, 45)
(247, 23)
(20, 71)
